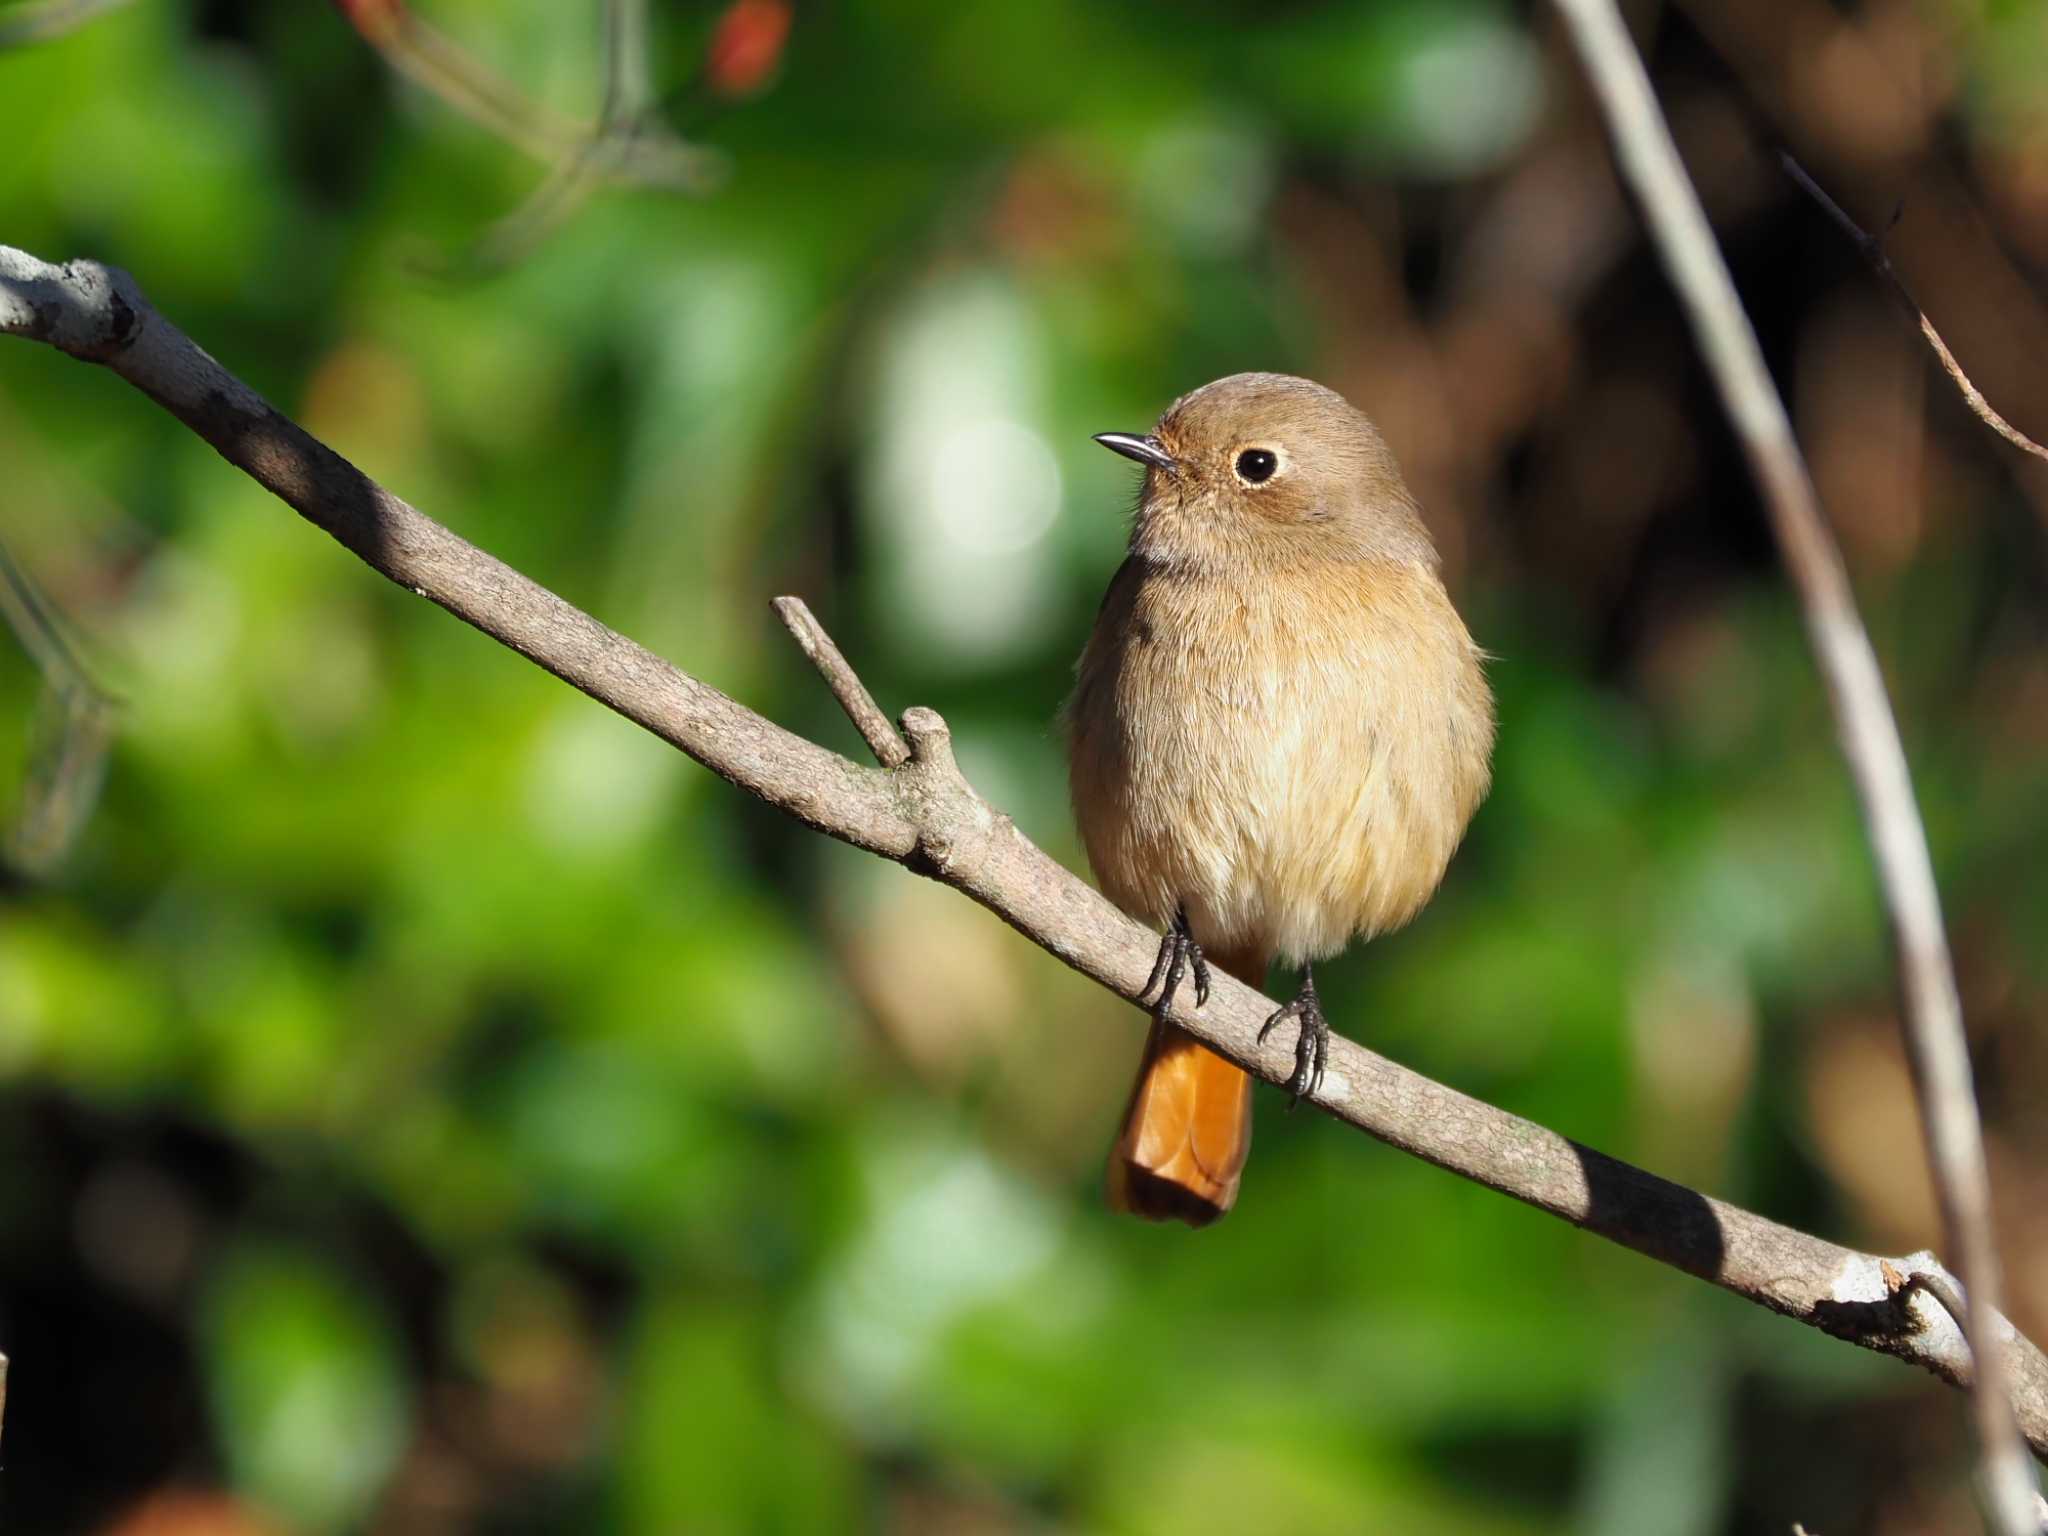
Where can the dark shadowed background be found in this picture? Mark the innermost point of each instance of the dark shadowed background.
(428, 1104)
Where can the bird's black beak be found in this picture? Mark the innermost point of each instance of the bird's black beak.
(1146, 450)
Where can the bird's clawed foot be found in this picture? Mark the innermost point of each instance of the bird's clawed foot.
(1178, 954)
(1311, 1045)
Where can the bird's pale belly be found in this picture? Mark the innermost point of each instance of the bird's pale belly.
(1292, 829)
(1292, 765)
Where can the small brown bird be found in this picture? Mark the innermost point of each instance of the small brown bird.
(1279, 731)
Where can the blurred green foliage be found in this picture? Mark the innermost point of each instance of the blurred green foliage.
(509, 1127)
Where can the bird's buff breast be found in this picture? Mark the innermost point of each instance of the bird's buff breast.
(1293, 766)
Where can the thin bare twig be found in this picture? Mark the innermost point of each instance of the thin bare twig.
(649, 155)
(1869, 735)
(43, 21)
(73, 728)
(67, 768)
(628, 89)
(625, 119)
(1873, 252)
(29, 614)
(845, 683)
(925, 816)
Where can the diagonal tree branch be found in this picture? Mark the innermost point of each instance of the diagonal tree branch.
(925, 816)
(1932, 1014)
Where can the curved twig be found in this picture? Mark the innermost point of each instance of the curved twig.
(925, 816)
(1872, 249)
(1931, 1014)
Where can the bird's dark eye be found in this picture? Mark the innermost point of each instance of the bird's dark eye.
(1255, 466)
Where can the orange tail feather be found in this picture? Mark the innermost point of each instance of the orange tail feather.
(1189, 1126)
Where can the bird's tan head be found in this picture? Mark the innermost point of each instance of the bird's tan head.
(1271, 468)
